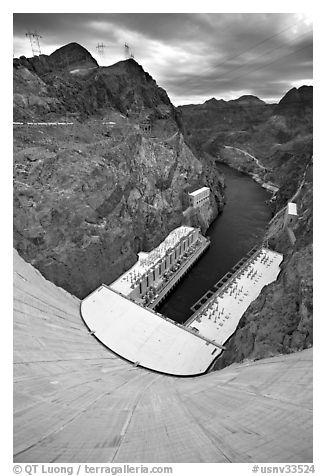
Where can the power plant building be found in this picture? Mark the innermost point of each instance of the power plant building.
(199, 197)
(153, 270)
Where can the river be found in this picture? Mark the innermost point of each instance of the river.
(241, 225)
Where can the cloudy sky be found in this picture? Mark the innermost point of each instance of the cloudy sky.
(194, 56)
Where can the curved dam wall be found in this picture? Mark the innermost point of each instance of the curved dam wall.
(150, 340)
(75, 401)
(144, 337)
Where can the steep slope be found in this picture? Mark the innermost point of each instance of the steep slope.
(73, 83)
(43, 89)
(296, 102)
(214, 123)
(270, 133)
(70, 56)
(89, 196)
(74, 401)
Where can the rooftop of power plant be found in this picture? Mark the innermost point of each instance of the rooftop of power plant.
(218, 318)
(125, 283)
(199, 191)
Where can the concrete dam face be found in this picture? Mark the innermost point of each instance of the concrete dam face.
(75, 401)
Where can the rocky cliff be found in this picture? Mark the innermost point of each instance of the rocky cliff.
(88, 196)
(252, 136)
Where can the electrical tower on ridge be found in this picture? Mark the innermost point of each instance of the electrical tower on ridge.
(100, 49)
(35, 42)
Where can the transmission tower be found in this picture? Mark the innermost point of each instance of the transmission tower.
(128, 52)
(100, 49)
(35, 42)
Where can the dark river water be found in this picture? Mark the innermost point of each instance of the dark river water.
(234, 232)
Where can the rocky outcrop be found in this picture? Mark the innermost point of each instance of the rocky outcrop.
(216, 123)
(89, 196)
(232, 131)
(69, 82)
(297, 102)
(69, 57)
(241, 160)
(82, 213)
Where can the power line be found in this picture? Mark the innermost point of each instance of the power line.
(260, 43)
(259, 56)
(261, 67)
(271, 62)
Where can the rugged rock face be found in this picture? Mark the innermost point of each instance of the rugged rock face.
(275, 143)
(297, 102)
(89, 196)
(69, 82)
(215, 123)
(271, 134)
(69, 57)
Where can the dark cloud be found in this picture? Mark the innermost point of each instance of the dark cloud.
(193, 56)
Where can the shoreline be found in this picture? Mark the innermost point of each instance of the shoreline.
(271, 187)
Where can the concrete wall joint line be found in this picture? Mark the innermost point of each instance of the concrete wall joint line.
(130, 415)
(185, 406)
(76, 415)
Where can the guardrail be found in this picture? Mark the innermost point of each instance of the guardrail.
(43, 123)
